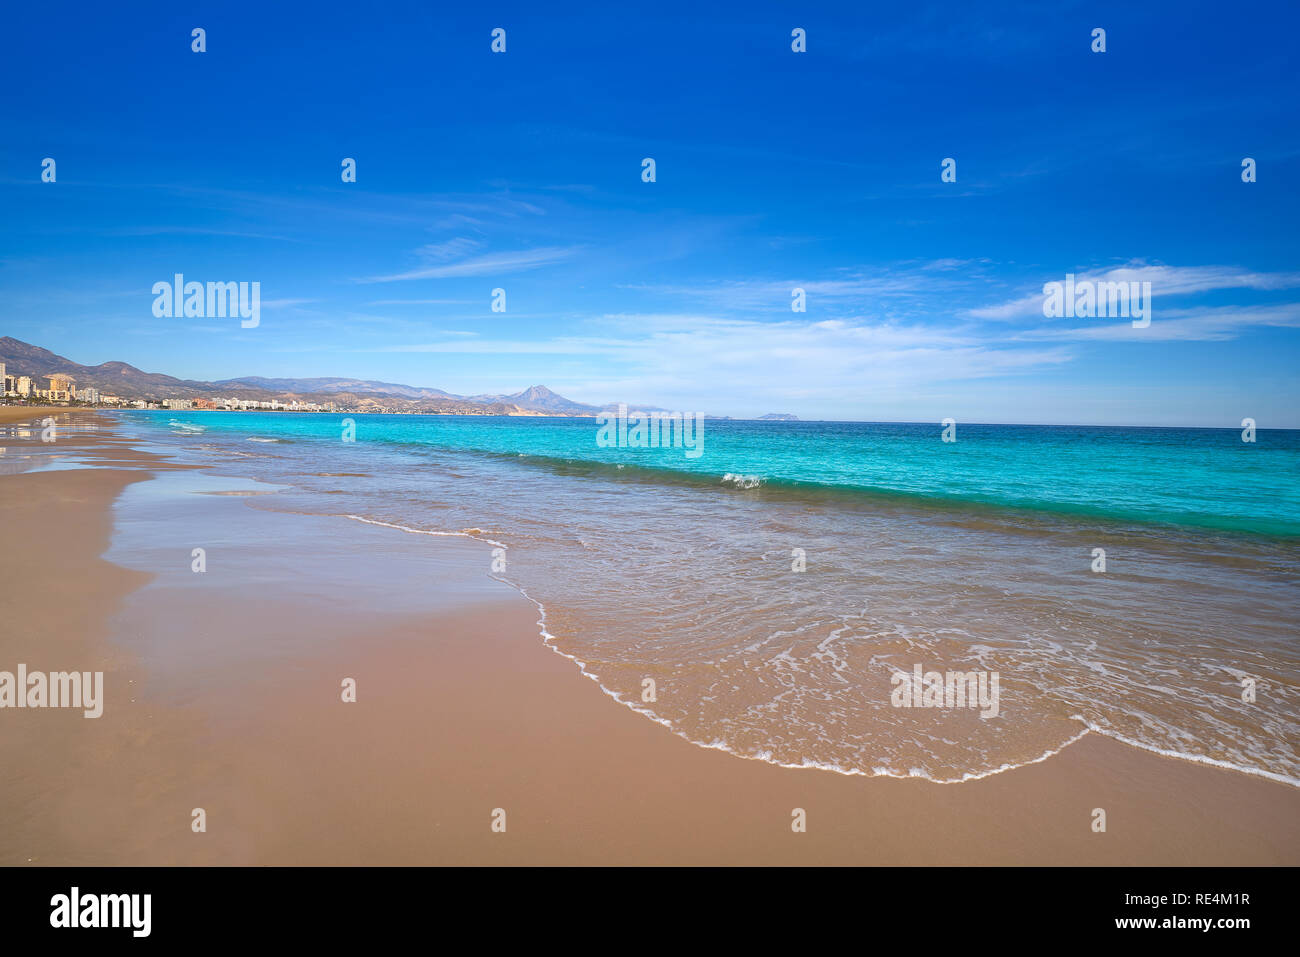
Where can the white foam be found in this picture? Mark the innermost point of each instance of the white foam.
(473, 533)
(1188, 756)
(548, 639)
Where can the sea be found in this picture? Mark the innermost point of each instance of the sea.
(770, 596)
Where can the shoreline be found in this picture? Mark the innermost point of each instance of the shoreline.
(548, 641)
(11, 414)
(459, 711)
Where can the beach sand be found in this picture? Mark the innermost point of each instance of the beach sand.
(223, 693)
(30, 413)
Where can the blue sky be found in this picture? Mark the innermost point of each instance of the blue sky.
(775, 170)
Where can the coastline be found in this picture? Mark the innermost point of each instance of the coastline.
(461, 709)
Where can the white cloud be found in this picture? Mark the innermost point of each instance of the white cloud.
(1210, 324)
(449, 250)
(505, 262)
(285, 303)
(702, 360)
(1165, 281)
(421, 302)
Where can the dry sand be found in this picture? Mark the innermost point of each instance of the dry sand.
(223, 692)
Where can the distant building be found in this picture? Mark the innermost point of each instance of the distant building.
(9, 383)
(176, 404)
(24, 386)
(60, 389)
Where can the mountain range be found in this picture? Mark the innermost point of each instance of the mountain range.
(121, 379)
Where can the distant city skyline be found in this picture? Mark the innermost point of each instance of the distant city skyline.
(775, 171)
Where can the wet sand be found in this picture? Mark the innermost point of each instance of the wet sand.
(223, 691)
(24, 413)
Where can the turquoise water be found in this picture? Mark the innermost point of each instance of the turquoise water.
(1206, 478)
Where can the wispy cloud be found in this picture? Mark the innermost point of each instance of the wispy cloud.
(449, 250)
(700, 357)
(286, 303)
(1211, 324)
(421, 302)
(1165, 281)
(504, 262)
(194, 231)
(903, 281)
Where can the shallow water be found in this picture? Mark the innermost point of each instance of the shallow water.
(971, 556)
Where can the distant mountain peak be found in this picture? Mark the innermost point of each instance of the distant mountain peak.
(538, 398)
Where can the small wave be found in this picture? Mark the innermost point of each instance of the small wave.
(549, 640)
(474, 533)
(241, 491)
(1187, 756)
(254, 438)
(742, 481)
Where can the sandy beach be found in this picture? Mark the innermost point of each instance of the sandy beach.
(27, 413)
(223, 692)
